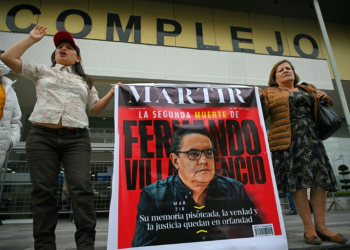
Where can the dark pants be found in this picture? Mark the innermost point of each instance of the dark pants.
(46, 149)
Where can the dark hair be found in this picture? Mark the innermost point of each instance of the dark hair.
(272, 79)
(188, 129)
(2, 51)
(78, 68)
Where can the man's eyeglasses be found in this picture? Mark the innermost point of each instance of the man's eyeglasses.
(194, 154)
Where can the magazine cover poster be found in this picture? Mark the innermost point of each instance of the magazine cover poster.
(192, 166)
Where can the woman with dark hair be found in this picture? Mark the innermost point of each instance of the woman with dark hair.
(299, 158)
(59, 135)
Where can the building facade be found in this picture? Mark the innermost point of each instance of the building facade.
(177, 41)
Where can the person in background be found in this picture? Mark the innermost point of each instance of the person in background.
(299, 158)
(59, 135)
(293, 209)
(10, 113)
(308, 198)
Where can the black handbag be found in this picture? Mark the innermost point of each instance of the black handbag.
(328, 122)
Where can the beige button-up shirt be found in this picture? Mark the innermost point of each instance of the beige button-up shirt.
(60, 93)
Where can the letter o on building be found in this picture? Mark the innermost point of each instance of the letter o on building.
(87, 22)
(315, 50)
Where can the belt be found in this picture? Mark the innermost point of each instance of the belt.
(61, 131)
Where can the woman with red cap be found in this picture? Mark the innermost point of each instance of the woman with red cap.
(59, 135)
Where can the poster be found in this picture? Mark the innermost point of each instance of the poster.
(240, 209)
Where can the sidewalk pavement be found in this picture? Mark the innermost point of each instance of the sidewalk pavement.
(17, 234)
(337, 221)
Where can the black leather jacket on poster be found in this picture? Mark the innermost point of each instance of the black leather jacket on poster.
(167, 213)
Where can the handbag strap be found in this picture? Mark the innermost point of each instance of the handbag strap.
(315, 92)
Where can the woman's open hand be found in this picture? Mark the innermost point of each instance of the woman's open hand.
(38, 33)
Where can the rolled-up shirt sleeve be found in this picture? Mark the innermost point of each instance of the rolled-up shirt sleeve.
(30, 71)
(92, 98)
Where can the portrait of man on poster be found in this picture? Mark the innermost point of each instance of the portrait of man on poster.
(195, 204)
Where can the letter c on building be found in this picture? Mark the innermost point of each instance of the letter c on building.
(11, 15)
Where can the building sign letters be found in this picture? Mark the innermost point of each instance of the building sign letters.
(134, 22)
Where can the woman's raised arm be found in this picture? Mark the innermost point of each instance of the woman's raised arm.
(11, 57)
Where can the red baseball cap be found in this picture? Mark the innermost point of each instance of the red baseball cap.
(65, 36)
